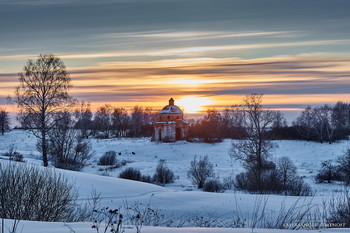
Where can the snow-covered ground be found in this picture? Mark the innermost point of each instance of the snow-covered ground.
(45, 227)
(180, 199)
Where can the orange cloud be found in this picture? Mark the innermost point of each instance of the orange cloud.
(285, 81)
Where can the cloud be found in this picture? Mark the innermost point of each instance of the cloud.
(182, 51)
(294, 76)
(284, 80)
(56, 2)
(195, 35)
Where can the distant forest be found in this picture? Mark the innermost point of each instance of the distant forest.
(327, 123)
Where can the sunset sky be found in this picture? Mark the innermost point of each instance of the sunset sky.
(200, 52)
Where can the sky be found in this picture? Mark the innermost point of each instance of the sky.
(203, 53)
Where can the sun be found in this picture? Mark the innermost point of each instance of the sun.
(193, 104)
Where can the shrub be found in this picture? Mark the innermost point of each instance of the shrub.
(67, 149)
(18, 157)
(163, 174)
(344, 166)
(297, 187)
(228, 182)
(328, 172)
(135, 174)
(131, 174)
(30, 193)
(286, 169)
(108, 158)
(241, 181)
(200, 171)
(279, 178)
(124, 162)
(270, 182)
(14, 155)
(213, 185)
(146, 179)
(340, 171)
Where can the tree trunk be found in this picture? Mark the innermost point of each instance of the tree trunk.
(44, 147)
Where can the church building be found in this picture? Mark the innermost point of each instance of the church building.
(170, 125)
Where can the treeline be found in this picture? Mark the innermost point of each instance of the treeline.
(324, 124)
(215, 126)
(327, 123)
(108, 121)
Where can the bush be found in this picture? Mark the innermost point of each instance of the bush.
(146, 179)
(135, 174)
(270, 182)
(108, 158)
(344, 166)
(228, 182)
(286, 169)
(340, 171)
(30, 193)
(200, 171)
(279, 179)
(131, 174)
(67, 149)
(297, 187)
(241, 181)
(163, 174)
(213, 185)
(18, 157)
(14, 155)
(328, 172)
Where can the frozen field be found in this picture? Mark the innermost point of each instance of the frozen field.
(180, 199)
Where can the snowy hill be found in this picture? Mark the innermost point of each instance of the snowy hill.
(180, 200)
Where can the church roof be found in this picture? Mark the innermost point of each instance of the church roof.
(171, 109)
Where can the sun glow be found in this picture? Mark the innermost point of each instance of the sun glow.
(191, 81)
(193, 104)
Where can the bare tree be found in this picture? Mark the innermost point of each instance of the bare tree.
(287, 169)
(304, 123)
(341, 114)
(103, 120)
(211, 125)
(67, 148)
(322, 124)
(233, 118)
(120, 121)
(255, 150)
(148, 120)
(4, 121)
(200, 171)
(341, 119)
(329, 172)
(344, 166)
(136, 120)
(43, 90)
(83, 116)
(163, 174)
(279, 121)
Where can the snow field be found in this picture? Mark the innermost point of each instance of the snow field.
(175, 200)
